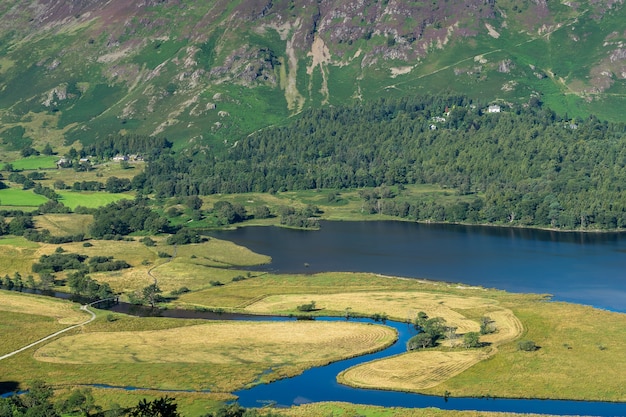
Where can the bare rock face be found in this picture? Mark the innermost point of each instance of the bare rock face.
(505, 66)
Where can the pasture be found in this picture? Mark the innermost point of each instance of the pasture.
(14, 197)
(72, 199)
(25, 318)
(220, 356)
(35, 163)
(64, 224)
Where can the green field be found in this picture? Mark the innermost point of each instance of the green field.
(90, 199)
(35, 162)
(16, 197)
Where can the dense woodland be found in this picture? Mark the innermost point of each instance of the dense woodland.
(525, 165)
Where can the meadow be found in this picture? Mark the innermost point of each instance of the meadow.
(577, 343)
(26, 318)
(35, 163)
(219, 356)
(14, 197)
(73, 199)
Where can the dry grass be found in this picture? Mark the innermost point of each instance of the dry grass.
(401, 305)
(411, 371)
(220, 356)
(326, 409)
(582, 356)
(64, 224)
(223, 343)
(64, 312)
(241, 294)
(25, 318)
(17, 256)
(461, 307)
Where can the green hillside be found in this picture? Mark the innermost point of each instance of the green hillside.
(212, 72)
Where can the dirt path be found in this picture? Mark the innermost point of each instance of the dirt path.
(83, 307)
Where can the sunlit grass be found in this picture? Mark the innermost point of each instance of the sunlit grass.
(72, 199)
(17, 197)
(35, 162)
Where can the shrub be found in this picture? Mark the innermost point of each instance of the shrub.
(306, 307)
(147, 241)
(527, 346)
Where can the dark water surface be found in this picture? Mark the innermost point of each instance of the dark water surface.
(585, 268)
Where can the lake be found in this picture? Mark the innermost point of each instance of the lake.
(584, 268)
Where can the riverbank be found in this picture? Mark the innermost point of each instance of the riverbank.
(568, 335)
(576, 342)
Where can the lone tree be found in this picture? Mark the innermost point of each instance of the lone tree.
(487, 326)
(419, 341)
(151, 294)
(471, 340)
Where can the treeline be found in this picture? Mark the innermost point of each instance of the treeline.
(528, 165)
(124, 217)
(147, 146)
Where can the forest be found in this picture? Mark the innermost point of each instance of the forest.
(525, 165)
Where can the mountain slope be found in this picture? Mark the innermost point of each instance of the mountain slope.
(211, 72)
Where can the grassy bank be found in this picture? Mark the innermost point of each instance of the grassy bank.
(577, 344)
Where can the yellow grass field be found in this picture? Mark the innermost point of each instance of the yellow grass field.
(269, 343)
(417, 370)
(25, 318)
(412, 371)
(17, 256)
(402, 305)
(64, 224)
(64, 312)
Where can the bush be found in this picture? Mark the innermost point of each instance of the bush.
(527, 346)
(307, 307)
(181, 290)
(147, 241)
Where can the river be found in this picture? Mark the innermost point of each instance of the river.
(584, 268)
(577, 267)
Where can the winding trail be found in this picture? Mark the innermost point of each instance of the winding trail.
(83, 307)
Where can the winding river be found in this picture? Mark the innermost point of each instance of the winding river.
(575, 267)
(585, 268)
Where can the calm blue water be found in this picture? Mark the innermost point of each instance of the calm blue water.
(583, 268)
(576, 267)
(319, 384)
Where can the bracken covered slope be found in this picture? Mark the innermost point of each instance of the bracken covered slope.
(211, 72)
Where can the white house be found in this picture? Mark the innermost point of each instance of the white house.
(494, 108)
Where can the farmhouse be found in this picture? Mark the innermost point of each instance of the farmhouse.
(494, 108)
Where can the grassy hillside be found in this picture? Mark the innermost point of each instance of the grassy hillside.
(213, 72)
